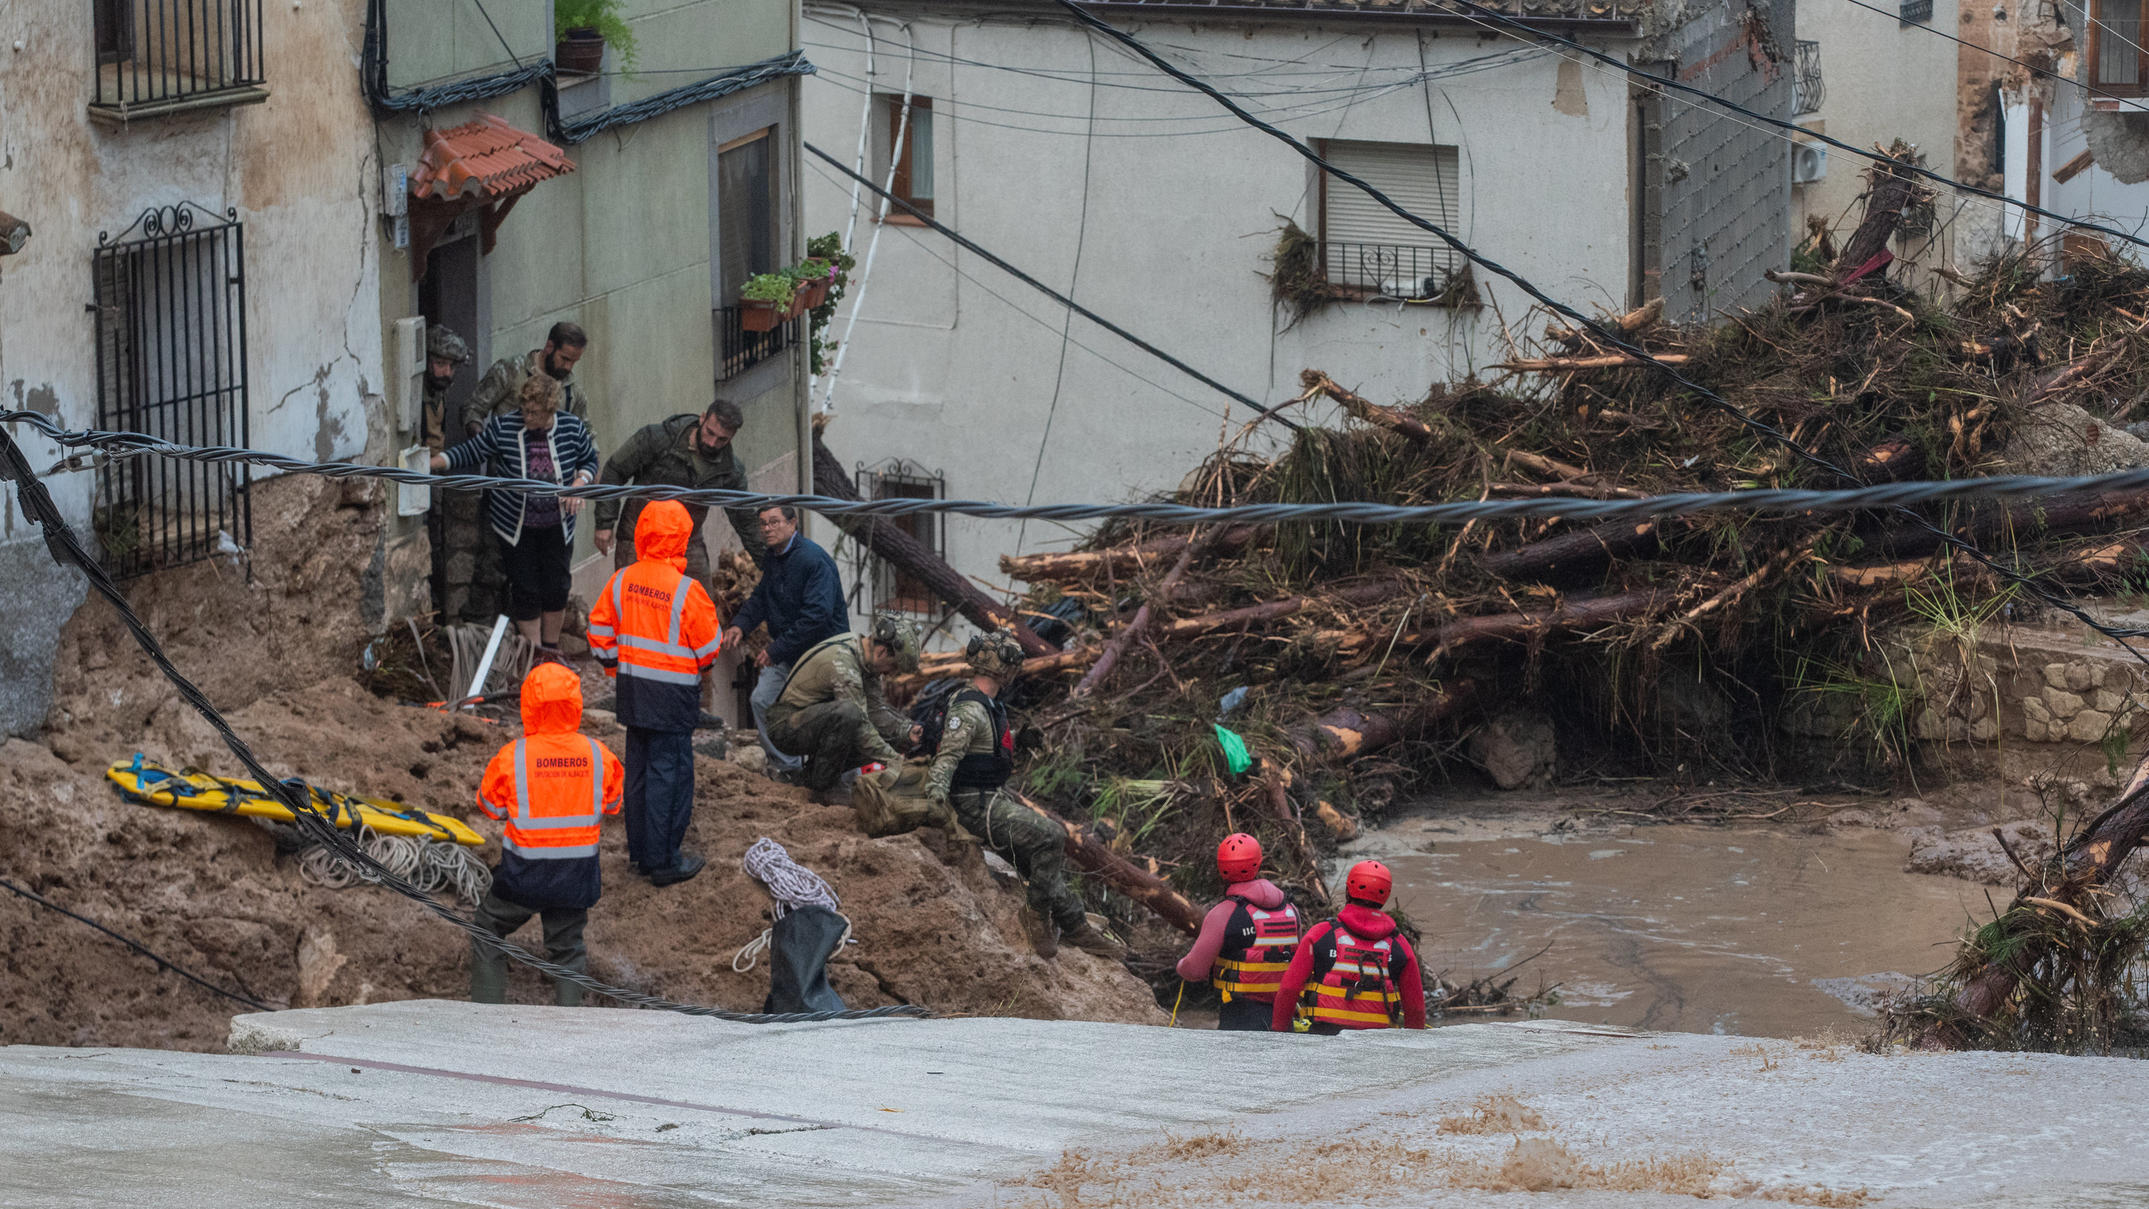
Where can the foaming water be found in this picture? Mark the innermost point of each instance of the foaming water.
(1690, 928)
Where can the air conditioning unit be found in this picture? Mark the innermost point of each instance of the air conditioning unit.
(1809, 163)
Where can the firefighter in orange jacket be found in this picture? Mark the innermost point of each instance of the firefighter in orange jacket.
(655, 630)
(1355, 971)
(552, 787)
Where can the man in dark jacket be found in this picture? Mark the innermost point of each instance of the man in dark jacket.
(684, 451)
(800, 598)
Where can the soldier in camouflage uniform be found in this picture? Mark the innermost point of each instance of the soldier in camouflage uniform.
(500, 390)
(453, 512)
(831, 711)
(684, 451)
(444, 350)
(975, 759)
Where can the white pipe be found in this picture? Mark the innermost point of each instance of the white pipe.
(492, 648)
(856, 297)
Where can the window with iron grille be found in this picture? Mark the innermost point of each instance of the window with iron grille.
(2118, 66)
(170, 308)
(166, 56)
(1916, 11)
(893, 588)
(1808, 90)
(1366, 249)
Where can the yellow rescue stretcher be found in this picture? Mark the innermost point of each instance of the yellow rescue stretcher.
(144, 781)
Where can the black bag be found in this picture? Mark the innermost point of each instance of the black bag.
(800, 945)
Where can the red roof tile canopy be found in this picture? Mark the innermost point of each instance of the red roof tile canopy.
(486, 159)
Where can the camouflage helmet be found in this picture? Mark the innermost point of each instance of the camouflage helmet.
(997, 655)
(442, 342)
(898, 637)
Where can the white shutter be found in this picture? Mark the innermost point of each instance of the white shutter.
(1367, 245)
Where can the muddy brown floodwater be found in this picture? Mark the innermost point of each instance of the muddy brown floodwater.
(1684, 927)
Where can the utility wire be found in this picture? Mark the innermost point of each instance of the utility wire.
(1775, 500)
(67, 550)
(973, 247)
(2025, 65)
(1751, 423)
(1528, 31)
(163, 962)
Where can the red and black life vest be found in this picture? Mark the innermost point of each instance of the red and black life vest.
(986, 770)
(1257, 949)
(1357, 990)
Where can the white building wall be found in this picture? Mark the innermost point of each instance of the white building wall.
(1886, 80)
(2094, 193)
(956, 366)
(298, 169)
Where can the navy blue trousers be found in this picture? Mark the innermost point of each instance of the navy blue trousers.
(660, 795)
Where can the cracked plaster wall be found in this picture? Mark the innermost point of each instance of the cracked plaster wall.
(299, 171)
(2118, 142)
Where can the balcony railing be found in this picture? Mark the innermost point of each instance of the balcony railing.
(1807, 88)
(1391, 271)
(163, 56)
(739, 350)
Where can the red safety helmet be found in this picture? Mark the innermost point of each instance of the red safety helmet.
(1369, 881)
(1238, 858)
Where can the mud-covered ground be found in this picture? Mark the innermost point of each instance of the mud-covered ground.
(278, 653)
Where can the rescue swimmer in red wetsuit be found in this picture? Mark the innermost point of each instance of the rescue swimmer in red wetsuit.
(1355, 971)
(1246, 941)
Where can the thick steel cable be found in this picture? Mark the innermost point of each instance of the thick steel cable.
(67, 549)
(1641, 356)
(1772, 500)
(163, 962)
(980, 251)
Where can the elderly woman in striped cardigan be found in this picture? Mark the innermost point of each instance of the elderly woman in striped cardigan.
(536, 532)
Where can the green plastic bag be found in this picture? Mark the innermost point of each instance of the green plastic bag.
(1235, 753)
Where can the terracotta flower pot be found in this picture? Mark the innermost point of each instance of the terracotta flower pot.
(581, 52)
(816, 292)
(759, 316)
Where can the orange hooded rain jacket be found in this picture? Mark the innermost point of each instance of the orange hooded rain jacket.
(552, 787)
(654, 627)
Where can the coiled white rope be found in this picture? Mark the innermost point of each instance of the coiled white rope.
(790, 886)
(430, 865)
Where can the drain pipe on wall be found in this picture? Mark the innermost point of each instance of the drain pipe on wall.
(856, 294)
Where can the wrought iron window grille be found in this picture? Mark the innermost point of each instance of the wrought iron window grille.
(892, 588)
(1808, 88)
(1915, 12)
(1425, 275)
(739, 350)
(170, 313)
(167, 56)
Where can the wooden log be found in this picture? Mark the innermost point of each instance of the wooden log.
(1566, 365)
(1571, 557)
(1890, 190)
(2021, 521)
(895, 544)
(1347, 732)
(1571, 475)
(1567, 616)
(1365, 410)
(1119, 560)
(1108, 658)
(2078, 875)
(1143, 883)
(1633, 321)
(1275, 785)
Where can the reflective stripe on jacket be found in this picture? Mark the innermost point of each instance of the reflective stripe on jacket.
(654, 628)
(1257, 950)
(560, 820)
(1358, 991)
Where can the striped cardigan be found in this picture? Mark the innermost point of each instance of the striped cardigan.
(499, 447)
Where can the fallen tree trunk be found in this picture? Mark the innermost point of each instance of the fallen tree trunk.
(1347, 732)
(2021, 521)
(2074, 879)
(1563, 365)
(1625, 325)
(1108, 658)
(1577, 555)
(1119, 560)
(895, 544)
(1589, 614)
(1357, 595)
(1890, 190)
(1144, 885)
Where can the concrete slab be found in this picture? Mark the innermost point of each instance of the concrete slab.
(433, 1103)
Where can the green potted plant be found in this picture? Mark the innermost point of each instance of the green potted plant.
(765, 301)
(828, 248)
(583, 28)
(814, 276)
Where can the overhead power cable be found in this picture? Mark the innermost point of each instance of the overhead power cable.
(1521, 29)
(1749, 501)
(1987, 50)
(973, 247)
(67, 550)
(163, 962)
(1598, 329)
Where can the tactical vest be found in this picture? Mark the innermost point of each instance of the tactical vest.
(986, 770)
(1258, 945)
(1357, 991)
